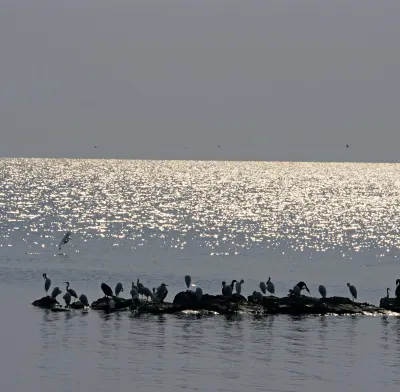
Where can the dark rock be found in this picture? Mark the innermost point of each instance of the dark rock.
(46, 302)
(103, 303)
(391, 304)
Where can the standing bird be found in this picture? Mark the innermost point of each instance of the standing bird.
(106, 290)
(322, 291)
(233, 284)
(295, 291)
(353, 291)
(83, 299)
(56, 291)
(118, 289)
(199, 293)
(228, 291)
(263, 287)
(301, 285)
(162, 292)
(134, 292)
(188, 280)
(139, 286)
(67, 299)
(223, 287)
(47, 282)
(397, 291)
(72, 292)
(270, 286)
(146, 292)
(238, 286)
(65, 239)
(387, 292)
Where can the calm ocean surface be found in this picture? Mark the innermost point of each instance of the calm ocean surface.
(159, 220)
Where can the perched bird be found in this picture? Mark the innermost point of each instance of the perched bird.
(65, 239)
(106, 290)
(83, 299)
(199, 293)
(301, 285)
(162, 292)
(47, 282)
(295, 291)
(228, 291)
(140, 287)
(233, 284)
(238, 286)
(67, 299)
(70, 291)
(188, 280)
(56, 291)
(322, 291)
(118, 289)
(397, 291)
(270, 286)
(257, 296)
(223, 285)
(387, 293)
(353, 291)
(146, 292)
(263, 287)
(134, 291)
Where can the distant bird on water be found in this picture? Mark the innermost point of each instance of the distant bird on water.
(270, 286)
(118, 288)
(322, 291)
(106, 290)
(47, 282)
(65, 239)
(70, 291)
(353, 291)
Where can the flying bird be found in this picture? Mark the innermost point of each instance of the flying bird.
(65, 239)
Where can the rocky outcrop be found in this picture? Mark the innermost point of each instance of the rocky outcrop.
(391, 304)
(46, 302)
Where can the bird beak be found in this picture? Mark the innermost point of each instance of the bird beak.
(308, 290)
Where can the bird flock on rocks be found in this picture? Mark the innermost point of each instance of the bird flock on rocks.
(158, 294)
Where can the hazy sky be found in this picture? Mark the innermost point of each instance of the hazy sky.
(265, 79)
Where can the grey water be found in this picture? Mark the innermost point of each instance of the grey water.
(324, 223)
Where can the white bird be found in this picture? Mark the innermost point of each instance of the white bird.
(353, 290)
(263, 287)
(238, 286)
(270, 286)
(322, 291)
(188, 280)
(65, 239)
(56, 291)
(47, 282)
(199, 293)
